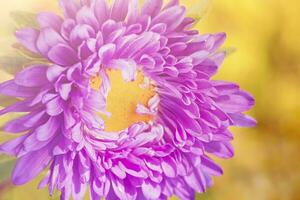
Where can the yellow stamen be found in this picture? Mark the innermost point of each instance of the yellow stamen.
(96, 82)
(123, 99)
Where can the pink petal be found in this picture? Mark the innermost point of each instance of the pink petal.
(119, 10)
(47, 130)
(101, 10)
(86, 16)
(167, 17)
(12, 147)
(32, 76)
(220, 149)
(211, 167)
(106, 52)
(128, 68)
(242, 120)
(69, 7)
(80, 33)
(54, 72)
(24, 123)
(54, 107)
(63, 55)
(237, 102)
(28, 37)
(10, 88)
(152, 7)
(196, 181)
(49, 20)
(169, 167)
(30, 165)
(47, 39)
(151, 190)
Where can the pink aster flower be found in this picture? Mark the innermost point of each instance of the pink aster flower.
(64, 125)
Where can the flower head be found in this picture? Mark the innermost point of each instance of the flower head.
(100, 60)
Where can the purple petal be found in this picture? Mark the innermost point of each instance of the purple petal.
(13, 146)
(242, 120)
(152, 7)
(24, 123)
(30, 165)
(220, 149)
(54, 106)
(106, 52)
(196, 181)
(169, 167)
(118, 171)
(32, 76)
(28, 38)
(49, 20)
(22, 106)
(237, 102)
(118, 187)
(54, 72)
(63, 55)
(167, 17)
(80, 33)
(10, 88)
(47, 130)
(151, 190)
(119, 10)
(47, 39)
(69, 7)
(210, 167)
(101, 10)
(86, 16)
(128, 68)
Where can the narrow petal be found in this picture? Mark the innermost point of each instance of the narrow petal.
(33, 76)
(30, 165)
(12, 147)
(220, 149)
(195, 181)
(242, 120)
(101, 11)
(210, 167)
(10, 88)
(7, 101)
(119, 10)
(237, 102)
(24, 123)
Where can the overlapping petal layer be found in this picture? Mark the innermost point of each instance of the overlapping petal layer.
(63, 131)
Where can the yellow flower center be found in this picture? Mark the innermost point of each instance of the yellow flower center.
(123, 99)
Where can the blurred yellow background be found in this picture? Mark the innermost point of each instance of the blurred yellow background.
(266, 36)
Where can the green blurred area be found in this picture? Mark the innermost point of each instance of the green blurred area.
(266, 36)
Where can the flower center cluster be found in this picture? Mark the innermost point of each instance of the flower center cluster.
(123, 99)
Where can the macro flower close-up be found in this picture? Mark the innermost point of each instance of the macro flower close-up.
(118, 100)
